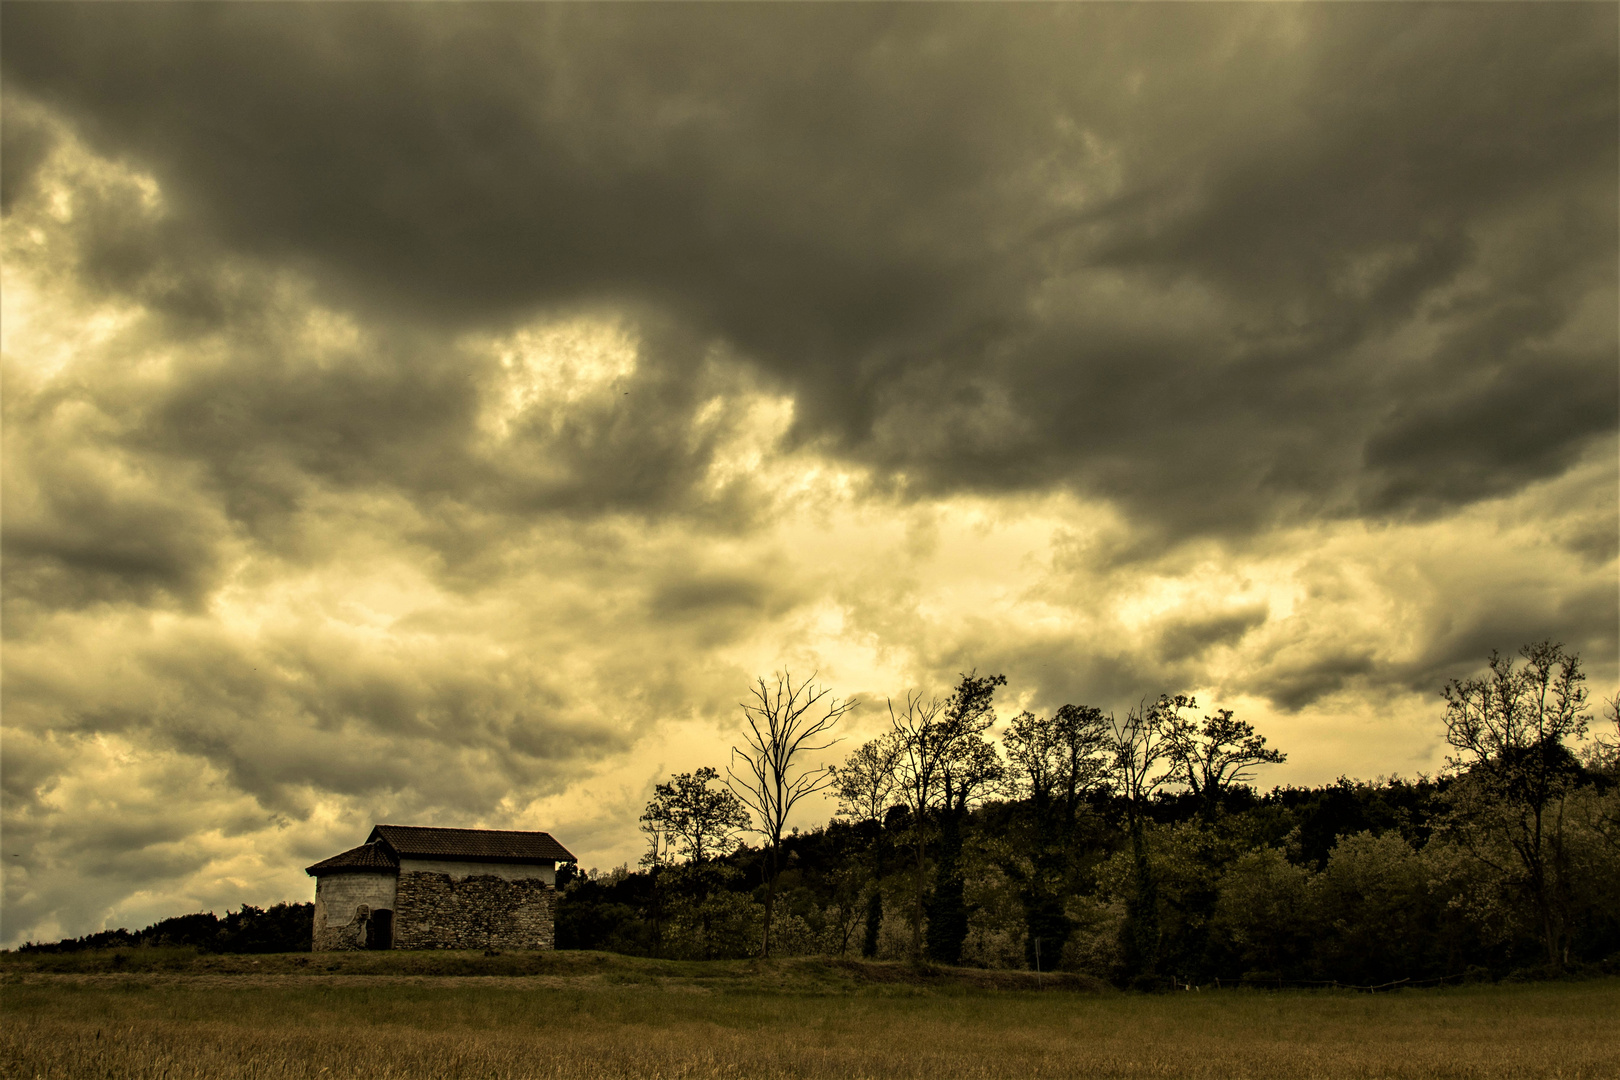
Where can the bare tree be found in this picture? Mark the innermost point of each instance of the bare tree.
(865, 782)
(1212, 757)
(783, 721)
(1140, 749)
(660, 843)
(1603, 756)
(1509, 729)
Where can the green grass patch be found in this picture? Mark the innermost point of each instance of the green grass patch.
(796, 975)
(584, 1016)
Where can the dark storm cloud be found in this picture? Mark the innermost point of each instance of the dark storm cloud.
(1296, 685)
(1191, 637)
(1584, 619)
(25, 142)
(1164, 254)
(1526, 421)
(87, 544)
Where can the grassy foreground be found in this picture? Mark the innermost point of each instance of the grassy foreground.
(586, 1015)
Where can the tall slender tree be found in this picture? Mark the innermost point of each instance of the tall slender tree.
(970, 768)
(660, 842)
(865, 786)
(922, 741)
(1056, 761)
(768, 773)
(1509, 730)
(1140, 749)
(700, 821)
(942, 761)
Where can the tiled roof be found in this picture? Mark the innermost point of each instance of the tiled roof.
(367, 857)
(472, 845)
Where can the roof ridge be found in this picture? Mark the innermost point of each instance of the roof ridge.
(462, 828)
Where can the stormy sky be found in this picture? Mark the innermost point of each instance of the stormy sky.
(440, 414)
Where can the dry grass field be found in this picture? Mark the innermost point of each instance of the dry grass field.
(592, 1017)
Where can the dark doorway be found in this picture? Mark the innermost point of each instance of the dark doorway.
(380, 929)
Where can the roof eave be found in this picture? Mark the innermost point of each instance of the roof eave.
(325, 871)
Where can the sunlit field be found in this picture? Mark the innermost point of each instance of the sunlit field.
(590, 1016)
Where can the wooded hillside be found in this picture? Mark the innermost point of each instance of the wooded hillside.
(1137, 850)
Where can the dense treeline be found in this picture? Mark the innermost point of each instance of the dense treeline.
(1136, 850)
(282, 927)
(1345, 882)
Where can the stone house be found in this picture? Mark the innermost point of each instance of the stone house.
(411, 887)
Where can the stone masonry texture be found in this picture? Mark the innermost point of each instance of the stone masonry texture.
(343, 903)
(435, 911)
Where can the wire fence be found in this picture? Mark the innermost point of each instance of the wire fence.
(1279, 983)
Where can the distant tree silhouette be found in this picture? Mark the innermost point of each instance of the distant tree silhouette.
(1216, 755)
(702, 821)
(1508, 729)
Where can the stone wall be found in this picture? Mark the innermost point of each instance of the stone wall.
(480, 911)
(340, 922)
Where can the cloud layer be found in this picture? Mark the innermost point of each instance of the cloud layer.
(443, 413)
